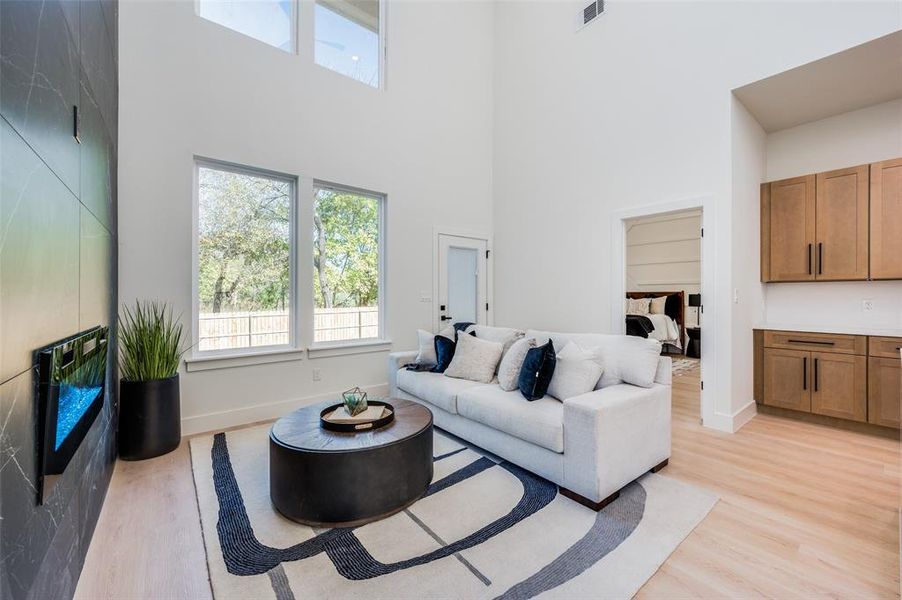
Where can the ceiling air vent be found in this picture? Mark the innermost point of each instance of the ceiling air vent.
(590, 12)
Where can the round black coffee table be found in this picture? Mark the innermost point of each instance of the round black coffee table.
(326, 478)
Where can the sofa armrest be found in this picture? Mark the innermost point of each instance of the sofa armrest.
(614, 435)
(397, 361)
(664, 373)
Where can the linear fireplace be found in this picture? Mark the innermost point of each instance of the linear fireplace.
(71, 378)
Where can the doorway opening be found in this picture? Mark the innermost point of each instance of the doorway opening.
(663, 288)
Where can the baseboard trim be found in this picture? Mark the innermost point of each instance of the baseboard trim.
(262, 412)
(868, 428)
(731, 423)
(744, 415)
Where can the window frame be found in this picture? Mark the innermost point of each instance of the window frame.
(382, 200)
(293, 304)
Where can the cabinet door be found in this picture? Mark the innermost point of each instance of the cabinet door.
(842, 224)
(839, 386)
(884, 391)
(787, 379)
(886, 219)
(790, 227)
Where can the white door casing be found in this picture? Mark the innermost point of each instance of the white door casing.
(462, 284)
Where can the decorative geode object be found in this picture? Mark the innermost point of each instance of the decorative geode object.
(355, 401)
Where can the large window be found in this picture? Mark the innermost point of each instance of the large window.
(347, 238)
(270, 21)
(347, 38)
(245, 237)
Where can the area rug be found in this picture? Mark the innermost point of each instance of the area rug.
(684, 366)
(485, 529)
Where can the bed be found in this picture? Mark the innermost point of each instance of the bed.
(669, 328)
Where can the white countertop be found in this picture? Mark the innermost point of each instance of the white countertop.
(840, 329)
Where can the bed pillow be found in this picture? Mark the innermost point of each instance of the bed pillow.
(576, 372)
(637, 306)
(657, 306)
(474, 359)
(537, 371)
(512, 362)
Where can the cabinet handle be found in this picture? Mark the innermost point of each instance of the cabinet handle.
(817, 342)
(820, 258)
(809, 259)
(815, 375)
(805, 373)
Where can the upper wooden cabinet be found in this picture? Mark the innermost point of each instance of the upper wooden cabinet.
(788, 225)
(886, 219)
(842, 225)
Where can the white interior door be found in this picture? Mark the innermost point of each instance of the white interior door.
(462, 280)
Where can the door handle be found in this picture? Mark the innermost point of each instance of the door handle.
(809, 259)
(815, 374)
(820, 258)
(444, 318)
(805, 373)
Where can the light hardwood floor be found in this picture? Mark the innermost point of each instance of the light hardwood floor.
(805, 510)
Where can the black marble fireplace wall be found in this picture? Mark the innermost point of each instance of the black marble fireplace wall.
(57, 269)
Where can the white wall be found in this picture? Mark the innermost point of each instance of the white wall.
(664, 253)
(863, 136)
(190, 87)
(747, 309)
(634, 109)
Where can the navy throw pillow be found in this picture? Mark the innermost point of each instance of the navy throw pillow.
(535, 375)
(444, 352)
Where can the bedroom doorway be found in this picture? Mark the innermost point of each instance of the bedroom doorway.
(660, 271)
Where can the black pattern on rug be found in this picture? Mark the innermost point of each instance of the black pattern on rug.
(613, 524)
(244, 555)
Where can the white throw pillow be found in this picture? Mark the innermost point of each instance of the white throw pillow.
(624, 358)
(512, 362)
(576, 372)
(503, 335)
(637, 306)
(474, 359)
(658, 304)
(426, 343)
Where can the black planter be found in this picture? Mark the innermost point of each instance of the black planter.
(150, 421)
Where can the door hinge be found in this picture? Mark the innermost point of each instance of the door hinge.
(486, 305)
(703, 232)
(487, 253)
(702, 384)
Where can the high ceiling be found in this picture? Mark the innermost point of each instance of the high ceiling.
(861, 76)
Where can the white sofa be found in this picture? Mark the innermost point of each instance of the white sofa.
(592, 445)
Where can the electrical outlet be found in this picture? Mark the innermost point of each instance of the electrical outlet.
(425, 297)
(867, 305)
(317, 374)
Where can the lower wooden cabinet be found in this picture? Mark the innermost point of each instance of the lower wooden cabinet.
(884, 391)
(839, 386)
(786, 379)
(848, 377)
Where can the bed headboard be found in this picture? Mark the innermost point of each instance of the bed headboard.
(673, 308)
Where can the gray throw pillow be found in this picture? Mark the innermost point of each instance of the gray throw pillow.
(509, 369)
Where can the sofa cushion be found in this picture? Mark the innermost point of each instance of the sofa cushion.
(540, 422)
(537, 370)
(505, 336)
(434, 388)
(624, 358)
(510, 365)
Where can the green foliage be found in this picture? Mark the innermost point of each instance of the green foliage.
(244, 243)
(346, 249)
(150, 342)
